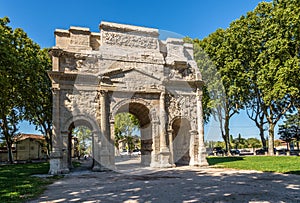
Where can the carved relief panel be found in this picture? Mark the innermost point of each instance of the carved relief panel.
(182, 106)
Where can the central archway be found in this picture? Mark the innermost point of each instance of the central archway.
(141, 112)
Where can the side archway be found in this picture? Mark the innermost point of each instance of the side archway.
(180, 140)
(81, 120)
(71, 142)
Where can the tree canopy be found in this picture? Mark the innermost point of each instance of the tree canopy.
(256, 60)
(23, 68)
(84, 140)
(125, 125)
(290, 129)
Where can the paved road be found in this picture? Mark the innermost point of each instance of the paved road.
(182, 184)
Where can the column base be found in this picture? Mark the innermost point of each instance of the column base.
(56, 163)
(155, 165)
(194, 163)
(98, 167)
(56, 167)
(163, 158)
(202, 162)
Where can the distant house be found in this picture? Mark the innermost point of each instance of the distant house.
(26, 147)
(30, 147)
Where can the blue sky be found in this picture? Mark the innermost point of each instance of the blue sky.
(196, 19)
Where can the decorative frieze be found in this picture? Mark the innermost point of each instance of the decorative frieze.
(129, 40)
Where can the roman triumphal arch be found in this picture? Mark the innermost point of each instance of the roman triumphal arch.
(126, 68)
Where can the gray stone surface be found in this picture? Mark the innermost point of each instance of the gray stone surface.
(126, 68)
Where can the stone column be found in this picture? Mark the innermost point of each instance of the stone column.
(155, 144)
(201, 150)
(146, 144)
(164, 150)
(66, 153)
(56, 154)
(96, 151)
(163, 121)
(194, 148)
(112, 144)
(170, 134)
(104, 151)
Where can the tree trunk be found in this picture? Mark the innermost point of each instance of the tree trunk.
(8, 146)
(7, 138)
(10, 153)
(49, 140)
(260, 125)
(226, 126)
(48, 136)
(271, 139)
(262, 137)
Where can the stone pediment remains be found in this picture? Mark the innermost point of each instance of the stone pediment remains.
(83, 52)
(125, 68)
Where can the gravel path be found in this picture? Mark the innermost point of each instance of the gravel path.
(181, 184)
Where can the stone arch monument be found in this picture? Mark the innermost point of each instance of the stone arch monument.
(126, 68)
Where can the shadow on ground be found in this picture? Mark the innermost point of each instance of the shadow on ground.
(182, 184)
(293, 172)
(218, 160)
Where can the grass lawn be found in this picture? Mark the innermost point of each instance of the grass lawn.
(280, 164)
(17, 184)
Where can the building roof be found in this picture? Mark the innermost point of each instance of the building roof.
(29, 136)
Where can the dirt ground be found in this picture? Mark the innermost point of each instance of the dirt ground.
(131, 183)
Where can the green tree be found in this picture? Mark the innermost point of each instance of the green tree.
(216, 58)
(39, 110)
(84, 138)
(19, 64)
(278, 76)
(257, 59)
(248, 41)
(296, 129)
(239, 142)
(286, 134)
(220, 144)
(290, 129)
(125, 125)
(254, 143)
